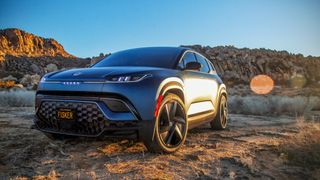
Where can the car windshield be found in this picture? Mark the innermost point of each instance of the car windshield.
(151, 57)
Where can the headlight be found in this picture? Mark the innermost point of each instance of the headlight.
(43, 79)
(128, 78)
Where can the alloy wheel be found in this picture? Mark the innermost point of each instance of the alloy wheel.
(224, 113)
(172, 124)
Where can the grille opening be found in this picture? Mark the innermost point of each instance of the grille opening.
(90, 120)
(92, 96)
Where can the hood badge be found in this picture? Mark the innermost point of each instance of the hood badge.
(77, 74)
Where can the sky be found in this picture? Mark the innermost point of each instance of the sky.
(88, 27)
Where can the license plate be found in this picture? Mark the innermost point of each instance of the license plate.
(65, 114)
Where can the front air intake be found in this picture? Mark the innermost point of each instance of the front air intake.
(116, 105)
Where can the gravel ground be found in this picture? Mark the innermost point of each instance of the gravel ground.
(253, 147)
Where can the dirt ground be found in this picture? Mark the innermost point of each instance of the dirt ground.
(253, 147)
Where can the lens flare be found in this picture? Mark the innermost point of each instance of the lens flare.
(298, 81)
(261, 84)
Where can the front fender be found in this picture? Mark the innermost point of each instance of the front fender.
(169, 84)
(223, 90)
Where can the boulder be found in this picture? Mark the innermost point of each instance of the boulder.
(50, 68)
(35, 69)
(10, 78)
(236, 65)
(18, 86)
(30, 80)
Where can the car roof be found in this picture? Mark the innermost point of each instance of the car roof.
(178, 50)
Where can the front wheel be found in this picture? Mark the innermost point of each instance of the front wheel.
(171, 126)
(220, 121)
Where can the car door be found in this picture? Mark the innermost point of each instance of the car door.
(195, 86)
(208, 75)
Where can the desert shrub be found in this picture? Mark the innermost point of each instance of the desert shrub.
(314, 103)
(30, 80)
(303, 149)
(18, 98)
(292, 105)
(272, 105)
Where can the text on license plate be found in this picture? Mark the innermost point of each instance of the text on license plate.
(65, 114)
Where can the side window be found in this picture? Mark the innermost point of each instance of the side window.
(181, 66)
(204, 64)
(189, 57)
(211, 66)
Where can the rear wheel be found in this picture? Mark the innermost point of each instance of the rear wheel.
(220, 121)
(171, 126)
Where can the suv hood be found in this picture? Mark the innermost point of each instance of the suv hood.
(96, 74)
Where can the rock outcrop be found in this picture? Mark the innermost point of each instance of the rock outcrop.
(16, 42)
(239, 66)
(23, 53)
(20, 66)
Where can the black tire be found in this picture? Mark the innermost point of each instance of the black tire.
(171, 126)
(221, 119)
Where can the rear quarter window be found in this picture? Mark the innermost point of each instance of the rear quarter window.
(204, 64)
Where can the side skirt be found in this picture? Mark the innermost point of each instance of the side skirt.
(200, 118)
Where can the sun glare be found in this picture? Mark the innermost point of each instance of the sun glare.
(261, 84)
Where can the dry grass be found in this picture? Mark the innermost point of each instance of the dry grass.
(53, 175)
(125, 146)
(303, 149)
(253, 147)
(273, 105)
(253, 105)
(18, 98)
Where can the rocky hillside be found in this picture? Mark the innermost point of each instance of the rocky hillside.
(16, 42)
(238, 66)
(25, 57)
(20, 66)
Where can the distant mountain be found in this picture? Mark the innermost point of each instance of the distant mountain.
(16, 42)
(23, 53)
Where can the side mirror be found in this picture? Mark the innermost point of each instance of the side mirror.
(193, 66)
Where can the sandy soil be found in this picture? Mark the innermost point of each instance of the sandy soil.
(251, 148)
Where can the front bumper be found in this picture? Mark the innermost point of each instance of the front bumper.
(93, 117)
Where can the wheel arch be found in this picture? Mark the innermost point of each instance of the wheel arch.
(177, 92)
(221, 91)
(171, 85)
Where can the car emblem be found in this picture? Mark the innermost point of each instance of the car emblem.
(76, 74)
(71, 83)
